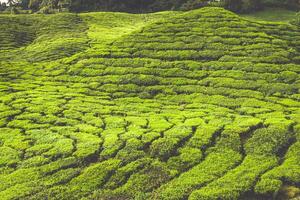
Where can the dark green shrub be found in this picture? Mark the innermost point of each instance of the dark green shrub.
(193, 4)
(267, 141)
(268, 186)
(296, 20)
(187, 158)
(163, 147)
(288, 76)
(200, 104)
(214, 166)
(242, 5)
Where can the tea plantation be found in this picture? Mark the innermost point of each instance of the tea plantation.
(198, 105)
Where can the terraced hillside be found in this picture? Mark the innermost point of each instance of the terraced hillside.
(195, 105)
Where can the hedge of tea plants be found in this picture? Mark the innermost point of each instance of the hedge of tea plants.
(175, 105)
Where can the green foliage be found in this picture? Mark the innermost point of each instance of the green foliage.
(93, 176)
(214, 166)
(194, 4)
(243, 5)
(138, 6)
(267, 186)
(268, 141)
(173, 105)
(8, 156)
(276, 14)
(236, 181)
(271, 182)
(296, 20)
(46, 37)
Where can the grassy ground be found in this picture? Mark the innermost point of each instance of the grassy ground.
(272, 14)
(173, 105)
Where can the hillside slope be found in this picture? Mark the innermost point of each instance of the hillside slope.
(195, 105)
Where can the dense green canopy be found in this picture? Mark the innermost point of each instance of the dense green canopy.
(140, 6)
(196, 105)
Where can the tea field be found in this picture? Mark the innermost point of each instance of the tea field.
(198, 105)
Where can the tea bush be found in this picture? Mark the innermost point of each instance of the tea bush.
(174, 105)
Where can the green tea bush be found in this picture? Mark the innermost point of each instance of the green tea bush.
(232, 185)
(124, 172)
(164, 147)
(271, 182)
(296, 20)
(211, 168)
(86, 145)
(203, 136)
(149, 137)
(156, 173)
(174, 105)
(131, 151)
(267, 141)
(267, 186)
(9, 156)
(187, 158)
(93, 176)
(35, 162)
